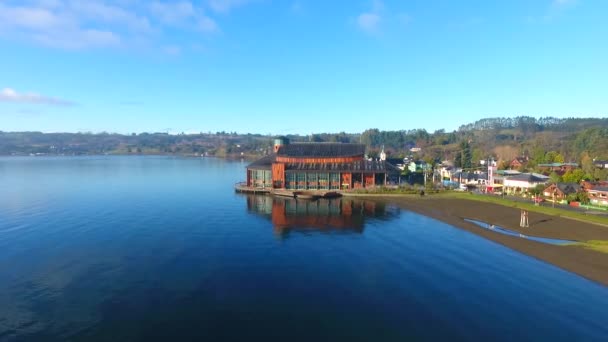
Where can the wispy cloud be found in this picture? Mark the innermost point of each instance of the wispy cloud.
(172, 50)
(78, 24)
(296, 7)
(370, 21)
(10, 95)
(563, 2)
(555, 10)
(183, 14)
(224, 6)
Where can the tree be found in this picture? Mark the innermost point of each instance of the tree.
(587, 163)
(463, 156)
(575, 176)
(538, 189)
(553, 157)
(538, 155)
(555, 178)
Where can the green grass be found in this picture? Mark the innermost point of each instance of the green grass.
(528, 206)
(596, 245)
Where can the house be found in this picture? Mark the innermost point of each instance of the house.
(318, 166)
(588, 185)
(523, 182)
(598, 195)
(507, 173)
(517, 163)
(601, 164)
(559, 191)
(470, 178)
(559, 168)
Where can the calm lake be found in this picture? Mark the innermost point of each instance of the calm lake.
(162, 248)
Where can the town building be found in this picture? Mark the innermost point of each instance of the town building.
(518, 163)
(319, 166)
(524, 182)
(588, 185)
(559, 168)
(559, 191)
(600, 164)
(598, 195)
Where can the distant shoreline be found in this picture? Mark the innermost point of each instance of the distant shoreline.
(588, 263)
(229, 157)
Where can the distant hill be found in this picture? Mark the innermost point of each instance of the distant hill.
(499, 138)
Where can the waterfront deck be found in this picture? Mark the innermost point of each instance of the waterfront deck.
(243, 188)
(303, 194)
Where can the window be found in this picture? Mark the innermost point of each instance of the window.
(301, 181)
(334, 181)
(312, 179)
(323, 181)
(290, 181)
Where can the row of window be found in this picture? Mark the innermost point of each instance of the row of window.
(312, 181)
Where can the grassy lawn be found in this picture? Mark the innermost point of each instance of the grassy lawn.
(596, 245)
(528, 206)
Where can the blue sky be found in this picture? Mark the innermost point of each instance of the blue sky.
(300, 66)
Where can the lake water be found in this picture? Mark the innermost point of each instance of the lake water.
(161, 248)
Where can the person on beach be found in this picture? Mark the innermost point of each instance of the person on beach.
(523, 222)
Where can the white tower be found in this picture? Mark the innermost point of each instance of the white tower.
(382, 154)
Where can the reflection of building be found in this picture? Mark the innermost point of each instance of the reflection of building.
(318, 166)
(338, 214)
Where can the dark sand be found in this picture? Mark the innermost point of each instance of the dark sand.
(585, 262)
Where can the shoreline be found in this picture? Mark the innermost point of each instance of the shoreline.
(590, 264)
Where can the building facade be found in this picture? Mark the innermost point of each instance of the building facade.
(318, 166)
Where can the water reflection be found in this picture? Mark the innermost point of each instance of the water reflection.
(504, 231)
(324, 215)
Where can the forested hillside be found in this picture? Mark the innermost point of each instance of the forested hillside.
(540, 140)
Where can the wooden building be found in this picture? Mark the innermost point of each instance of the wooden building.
(598, 196)
(559, 191)
(318, 166)
(518, 163)
(559, 168)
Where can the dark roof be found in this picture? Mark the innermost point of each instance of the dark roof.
(395, 161)
(558, 164)
(599, 188)
(357, 166)
(469, 176)
(264, 163)
(321, 150)
(568, 188)
(527, 177)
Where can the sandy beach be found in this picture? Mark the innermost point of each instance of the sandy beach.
(588, 263)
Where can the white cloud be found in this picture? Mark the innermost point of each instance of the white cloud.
(173, 12)
(81, 24)
(102, 12)
(563, 2)
(207, 24)
(224, 6)
(172, 50)
(183, 14)
(368, 22)
(296, 7)
(10, 95)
